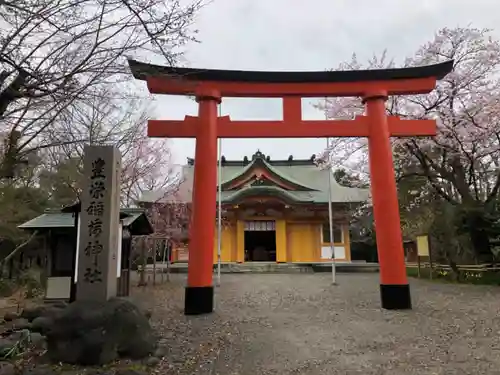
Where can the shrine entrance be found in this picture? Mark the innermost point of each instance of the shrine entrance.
(260, 241)
(372, 86)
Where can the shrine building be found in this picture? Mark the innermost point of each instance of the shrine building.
(275, 211)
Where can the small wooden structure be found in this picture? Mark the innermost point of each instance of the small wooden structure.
(60, 236)
(410, 249)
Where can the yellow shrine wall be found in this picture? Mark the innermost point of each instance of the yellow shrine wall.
(296, 241)
(304, 240)
(228, 244)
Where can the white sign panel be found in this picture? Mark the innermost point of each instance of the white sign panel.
(260, 225)
(326, 252)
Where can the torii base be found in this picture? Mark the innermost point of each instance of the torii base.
(199, 300)
(395, 297)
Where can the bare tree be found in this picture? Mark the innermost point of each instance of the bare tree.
(54, 53)
(100, 120)
(147, 167)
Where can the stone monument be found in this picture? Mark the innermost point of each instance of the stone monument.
(97, 328)
(100, 220)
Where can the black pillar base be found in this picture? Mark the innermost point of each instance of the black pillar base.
(199, 300)
(395, 297)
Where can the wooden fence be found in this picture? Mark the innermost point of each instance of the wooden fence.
(462, 267)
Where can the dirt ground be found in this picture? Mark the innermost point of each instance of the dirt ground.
(301, 324)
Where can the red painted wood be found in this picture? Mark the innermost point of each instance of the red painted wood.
(227, 128)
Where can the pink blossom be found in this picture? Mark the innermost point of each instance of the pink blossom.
(465, 105)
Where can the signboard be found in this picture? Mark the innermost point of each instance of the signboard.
(259, 225)
(423, 246)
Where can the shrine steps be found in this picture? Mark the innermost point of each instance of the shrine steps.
(286, 268)
(265, 267)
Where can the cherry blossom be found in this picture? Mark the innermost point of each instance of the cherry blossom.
(465, 154)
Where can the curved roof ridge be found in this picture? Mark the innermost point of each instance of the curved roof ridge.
(267, 189)
(270, 168)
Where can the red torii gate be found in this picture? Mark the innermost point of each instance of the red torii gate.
(373, 86)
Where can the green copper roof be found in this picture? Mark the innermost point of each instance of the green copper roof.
(135, 220)
(300, 172)
(271, 168)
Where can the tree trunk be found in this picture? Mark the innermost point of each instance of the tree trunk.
(17, 249)
(480, 241)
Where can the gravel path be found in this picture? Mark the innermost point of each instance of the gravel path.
(300, 324)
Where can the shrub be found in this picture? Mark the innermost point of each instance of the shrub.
(488, 277)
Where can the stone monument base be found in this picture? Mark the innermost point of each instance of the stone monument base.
(94, 333)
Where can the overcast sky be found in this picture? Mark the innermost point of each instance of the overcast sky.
(307, 35)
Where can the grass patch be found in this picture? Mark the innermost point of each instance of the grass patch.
(488, 277)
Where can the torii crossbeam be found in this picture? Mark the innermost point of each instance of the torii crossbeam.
(373, 86)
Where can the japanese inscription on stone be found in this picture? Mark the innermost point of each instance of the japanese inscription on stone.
(94, 247)
(100, 219)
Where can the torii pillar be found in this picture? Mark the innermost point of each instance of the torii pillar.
(394, 288)
(199, 298)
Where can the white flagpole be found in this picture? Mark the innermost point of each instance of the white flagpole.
(219, 203)
(330, 211)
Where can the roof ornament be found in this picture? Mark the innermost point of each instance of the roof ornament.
(258, 155)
